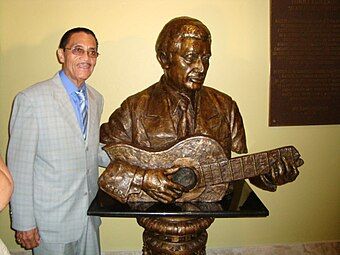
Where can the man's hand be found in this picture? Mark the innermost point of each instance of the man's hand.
(158, 186)
(28, 239)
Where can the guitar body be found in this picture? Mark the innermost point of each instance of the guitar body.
(192, 152)
(205, 156)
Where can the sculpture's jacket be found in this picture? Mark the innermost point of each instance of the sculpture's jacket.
(150, 120)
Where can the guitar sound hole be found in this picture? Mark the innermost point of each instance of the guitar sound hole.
(186, 177)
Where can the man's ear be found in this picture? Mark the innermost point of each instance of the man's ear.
(164, 59)
(60, 55)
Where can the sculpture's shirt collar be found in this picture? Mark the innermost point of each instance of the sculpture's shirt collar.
(175, 97)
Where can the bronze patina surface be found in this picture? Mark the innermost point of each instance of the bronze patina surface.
(175, 235)
(179, 123)
(204, 169)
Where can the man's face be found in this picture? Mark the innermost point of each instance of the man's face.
(78, 68)
(189, 64)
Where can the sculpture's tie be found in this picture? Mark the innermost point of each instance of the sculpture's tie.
(185, 124)
(83, 110)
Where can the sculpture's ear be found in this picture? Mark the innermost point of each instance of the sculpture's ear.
(163, 59)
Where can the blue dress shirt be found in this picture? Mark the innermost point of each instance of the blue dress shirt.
(71, 90)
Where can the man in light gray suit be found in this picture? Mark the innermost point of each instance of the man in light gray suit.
(54, 153)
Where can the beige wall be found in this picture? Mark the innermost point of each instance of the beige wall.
(307, 210)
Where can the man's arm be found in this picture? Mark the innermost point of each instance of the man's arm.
(21, 155)
(103, 158)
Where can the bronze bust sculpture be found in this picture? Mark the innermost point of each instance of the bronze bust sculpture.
(172, 142)
(178, 123)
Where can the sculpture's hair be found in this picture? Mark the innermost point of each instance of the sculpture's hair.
(66, 37)
(178, 28)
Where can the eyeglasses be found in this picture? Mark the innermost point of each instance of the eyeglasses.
(79, 51)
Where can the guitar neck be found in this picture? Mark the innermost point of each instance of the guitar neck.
(246, 166)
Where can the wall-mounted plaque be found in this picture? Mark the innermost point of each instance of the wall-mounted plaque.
(305, 62)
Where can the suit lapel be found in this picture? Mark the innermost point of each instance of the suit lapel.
(158, 105)
(208, 116)
(65, 107)
(92, 110)
(159, 130)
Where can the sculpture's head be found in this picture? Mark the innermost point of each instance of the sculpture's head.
(183, 50)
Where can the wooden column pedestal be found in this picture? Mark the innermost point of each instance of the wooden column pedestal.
(174, 235)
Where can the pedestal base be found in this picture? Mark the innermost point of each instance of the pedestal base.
(175, 235)
(180, 228)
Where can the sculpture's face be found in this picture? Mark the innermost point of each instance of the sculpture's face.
(188, 66)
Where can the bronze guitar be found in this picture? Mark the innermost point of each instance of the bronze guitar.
(213, 170)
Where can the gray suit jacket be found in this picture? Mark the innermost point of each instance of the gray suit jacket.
(54, 170)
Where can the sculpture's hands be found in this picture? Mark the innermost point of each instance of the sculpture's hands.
(158, 186)
(28, 239)
(283, 171)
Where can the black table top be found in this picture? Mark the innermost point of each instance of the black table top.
(242, 202)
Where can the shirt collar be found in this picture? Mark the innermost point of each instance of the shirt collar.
(176, 98)
(69, 85)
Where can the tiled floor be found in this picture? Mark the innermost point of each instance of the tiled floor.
(330, 248)
(324, 248)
